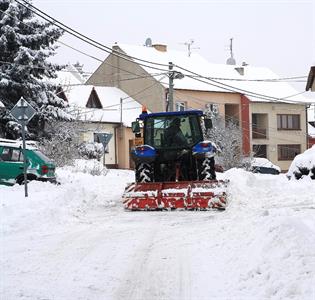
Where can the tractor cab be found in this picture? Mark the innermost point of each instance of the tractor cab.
(171, 130)
(172, 146)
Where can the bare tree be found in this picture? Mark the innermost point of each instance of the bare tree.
(227, 135)
(62, 142)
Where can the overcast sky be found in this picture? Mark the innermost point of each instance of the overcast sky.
(276, 34)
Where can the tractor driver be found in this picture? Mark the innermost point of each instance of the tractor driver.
(174, 135)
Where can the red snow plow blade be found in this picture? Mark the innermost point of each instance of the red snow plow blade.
(190, 195)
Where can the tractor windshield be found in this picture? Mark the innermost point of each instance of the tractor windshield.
(173, 131)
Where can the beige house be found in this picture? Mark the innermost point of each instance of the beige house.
(100, 110)
(271, 115)
(106, 110)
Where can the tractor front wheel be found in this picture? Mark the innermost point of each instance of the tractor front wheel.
(144, 173)
(206, 169)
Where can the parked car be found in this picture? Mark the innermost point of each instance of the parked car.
(262, 166)
(39, 167)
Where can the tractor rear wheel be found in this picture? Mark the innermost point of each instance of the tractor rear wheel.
(144, 172)
(206, 169)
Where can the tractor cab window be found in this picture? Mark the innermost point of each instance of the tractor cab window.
(173, 131)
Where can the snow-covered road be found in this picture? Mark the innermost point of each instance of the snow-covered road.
(75, 241)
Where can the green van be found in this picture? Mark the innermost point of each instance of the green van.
(39, 167)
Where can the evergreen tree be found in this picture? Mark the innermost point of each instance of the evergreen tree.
(25, 46)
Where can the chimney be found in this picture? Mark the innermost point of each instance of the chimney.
(240, 70)
(160, 47)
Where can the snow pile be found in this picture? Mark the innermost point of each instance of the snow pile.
(303, 165)
(49, 205)
(91, 166)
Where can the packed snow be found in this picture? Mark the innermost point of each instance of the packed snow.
(75, 241)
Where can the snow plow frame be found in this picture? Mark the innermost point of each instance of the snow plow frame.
(183, 195)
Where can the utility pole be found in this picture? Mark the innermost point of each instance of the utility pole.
(23, 119)
(121, 107)
(171, 87)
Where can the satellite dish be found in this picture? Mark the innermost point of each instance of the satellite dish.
(148, 42)
(231, 61)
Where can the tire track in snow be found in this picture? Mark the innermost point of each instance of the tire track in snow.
(157, 271)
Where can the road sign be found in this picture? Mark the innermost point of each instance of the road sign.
(104, 138)
(23, 111)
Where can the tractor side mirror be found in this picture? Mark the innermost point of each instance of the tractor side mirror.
(135, 126)
(208, 123)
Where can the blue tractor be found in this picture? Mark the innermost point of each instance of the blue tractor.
(174, 155)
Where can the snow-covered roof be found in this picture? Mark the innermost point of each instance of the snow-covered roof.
(197, 64)
(68, 76)
(78, 95)
(110, 100)
(1, 104)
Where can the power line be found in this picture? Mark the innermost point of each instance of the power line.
(284, 79)
(131, 96)
(234, 89)
(73, 48)
(203, 102)
(85, 38)
(230, 88)
(82, 73)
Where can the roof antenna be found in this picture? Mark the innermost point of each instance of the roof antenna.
(231, 60)
(189, 48)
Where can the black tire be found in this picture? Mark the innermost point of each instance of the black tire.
(144, 173)
(20, 179)
(206, 169)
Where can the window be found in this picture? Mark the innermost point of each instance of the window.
(288, 122)
(9, 154)
(259, 126)
(94, 101)
(260, 151)
(180, 106)
(159, 131)
(288, 152)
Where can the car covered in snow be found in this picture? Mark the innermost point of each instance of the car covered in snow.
(303, 165)
(39, 167)
(261, 165)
